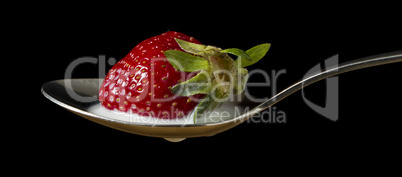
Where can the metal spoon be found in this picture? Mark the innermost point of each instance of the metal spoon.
(59, 92)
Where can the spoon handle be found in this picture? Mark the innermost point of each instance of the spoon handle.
(361, 63)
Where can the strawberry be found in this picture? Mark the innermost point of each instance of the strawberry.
(144, 76)
(168, 75)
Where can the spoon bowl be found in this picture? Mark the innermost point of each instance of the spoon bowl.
(80, 97)
(60, 92)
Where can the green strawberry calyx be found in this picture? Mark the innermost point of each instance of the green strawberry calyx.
(218, 75)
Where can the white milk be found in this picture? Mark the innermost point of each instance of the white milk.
(228, 111)
(129, 116)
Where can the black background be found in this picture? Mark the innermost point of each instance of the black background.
(303, 36)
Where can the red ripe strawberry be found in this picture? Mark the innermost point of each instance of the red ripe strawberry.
(142, 80)
(154, 79)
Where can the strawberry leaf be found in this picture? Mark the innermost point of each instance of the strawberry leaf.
(202, 108)
(209, 103)
(201, 83)
(190, 47)
(186, 62)
(241, 55)
(240, 81)
(256, 53)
